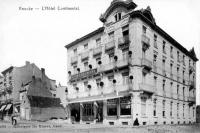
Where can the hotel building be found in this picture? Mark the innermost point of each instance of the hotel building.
(130, 69)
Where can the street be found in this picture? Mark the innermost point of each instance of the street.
(42, 127)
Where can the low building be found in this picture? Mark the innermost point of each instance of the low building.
(37, 102)
(13, 78)
(61, 93)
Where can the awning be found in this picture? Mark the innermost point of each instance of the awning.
(99, 97)
(2, 107)
(8, 106)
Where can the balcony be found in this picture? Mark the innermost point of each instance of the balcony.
(154, 68)
(123, 42)
(147, 64)
(74, 59)
(82, 75)
(191, 69)
(107, 67)
(191, 100)
(171, 75)
(147, 88)
(84, 55)
(109, 45)
(192, 85)
(97, 51)
(164, 73)
(145, 42)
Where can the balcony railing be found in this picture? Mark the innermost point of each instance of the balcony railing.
(146, 42)
(191, 99)
(109, 45)
(147, 88)
(83, 75)
(191, 69)
(192, 85)
(74, 59)
(123, 42)
(147, 64)
(84, 55)
(97, 50)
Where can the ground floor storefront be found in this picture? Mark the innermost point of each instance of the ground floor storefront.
(131, 109)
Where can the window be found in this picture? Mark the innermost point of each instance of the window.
(112, 107)
(125, 54)
(98, 59)
(183, 92)
(171, 52)
(86, 65)
(110, 78)
(111, 35)
(171, 67)
(164, 49)
(155, 80)
(171, 105)
(98, 82)
(125, 78)
(88, 109)
(98, 42)
(125, 105)
(155, 41)
(154, 107)
(177, 71)
(85, 84)
(178, 56)
(178, 110)
(75, 68)
(118, 16)
(85, 46)
(154, 59)
(184, 60)
(163, 63)
(163, 113)
(143, 107)
(183, 74)
(183, 110)
(164, 86)
(111, 57)
(75, 51)
(144, 29)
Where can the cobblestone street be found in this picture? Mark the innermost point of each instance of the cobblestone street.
(41, 127)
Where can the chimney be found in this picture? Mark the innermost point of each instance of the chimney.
(43, 73)
(27, 63)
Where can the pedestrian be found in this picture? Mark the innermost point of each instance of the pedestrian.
(136, 122)
(14, 120)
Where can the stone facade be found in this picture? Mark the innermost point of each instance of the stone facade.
(14, 78)
(130, 68)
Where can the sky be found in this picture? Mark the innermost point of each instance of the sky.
(39, 36)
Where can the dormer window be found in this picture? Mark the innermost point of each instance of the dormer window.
(118, 16)
(75, 51)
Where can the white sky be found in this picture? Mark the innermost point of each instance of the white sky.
(40, 36)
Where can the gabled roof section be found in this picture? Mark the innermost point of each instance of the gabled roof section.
(192, 52)
(128, 4)
(147, 13)
(99, 30)
(8, 69)
(140, 14)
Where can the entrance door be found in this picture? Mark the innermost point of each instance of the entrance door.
(75, 112)
(27, 114)
(99, 115)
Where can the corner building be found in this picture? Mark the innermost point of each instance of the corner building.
(130, 68)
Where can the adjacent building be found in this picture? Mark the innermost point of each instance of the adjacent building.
(13, 79)
(130, 68)
(37, 102)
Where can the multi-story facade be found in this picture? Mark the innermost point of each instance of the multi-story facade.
(130, 68)
(13, 79)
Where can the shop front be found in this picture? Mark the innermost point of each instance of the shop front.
(108, 111)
